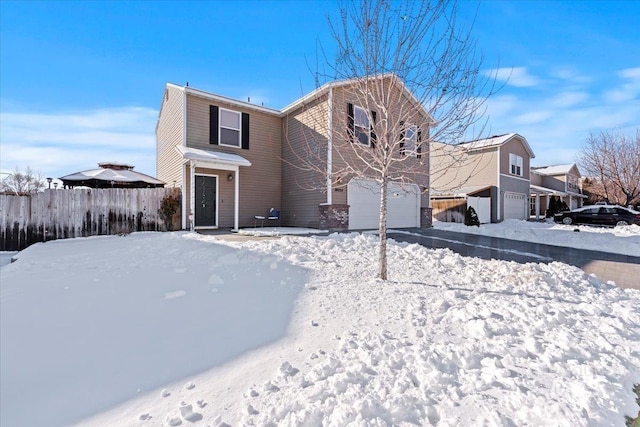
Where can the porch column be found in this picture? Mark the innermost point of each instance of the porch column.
(236, 198)
(537, 206)
(192, 194)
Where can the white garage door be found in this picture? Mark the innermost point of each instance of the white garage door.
(363, 197)
(515, 206)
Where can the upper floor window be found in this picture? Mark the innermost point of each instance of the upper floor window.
(410, 141)
(515, 164)
(361, 125)
(572, 184)
(230, 125)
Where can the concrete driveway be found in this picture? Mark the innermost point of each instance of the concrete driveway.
(624, 270)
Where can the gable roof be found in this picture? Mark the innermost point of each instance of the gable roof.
(345, 82)
(297, 103)
(555, 169)
(212, 96)
(496, 141)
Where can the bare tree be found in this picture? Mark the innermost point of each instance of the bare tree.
(20, 182)
(410, 76)
(612, 162)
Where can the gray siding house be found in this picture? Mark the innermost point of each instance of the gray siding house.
(561, 181)
(491, 174)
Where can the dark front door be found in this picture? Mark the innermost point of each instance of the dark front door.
(205, 201)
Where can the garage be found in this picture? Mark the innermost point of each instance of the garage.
(363, 197)
(515, 206)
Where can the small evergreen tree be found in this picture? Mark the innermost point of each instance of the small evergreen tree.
(471, 217)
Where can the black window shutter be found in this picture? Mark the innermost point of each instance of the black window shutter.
(419, 145)
(374, 137)
(245, 131)
(213, 124)
(402, 153)
(350, 122)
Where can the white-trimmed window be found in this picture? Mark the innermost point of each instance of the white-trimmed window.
(410, 141)
(572, 183)
(515, 164)
(361, 125)
(230, 125)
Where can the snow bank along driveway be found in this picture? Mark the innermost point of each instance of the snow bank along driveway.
(448, 341)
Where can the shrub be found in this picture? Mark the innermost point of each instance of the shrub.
(168, 208)
(471, 217)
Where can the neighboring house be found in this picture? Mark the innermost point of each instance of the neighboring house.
(562, 181)
(234, 160)
(491, 174)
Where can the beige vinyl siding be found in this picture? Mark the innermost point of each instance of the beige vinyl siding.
(556, 182)
(260, 183)
(536, 179)
(342, 147)
(514, 146)
(168, 135)
(306, 128)
(453, 167)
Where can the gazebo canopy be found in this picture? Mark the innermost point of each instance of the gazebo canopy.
(111, 175)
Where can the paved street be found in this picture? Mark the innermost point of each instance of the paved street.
(624, 270)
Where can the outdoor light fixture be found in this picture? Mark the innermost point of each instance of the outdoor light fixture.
(55, 185)
(230, 177)
(49, 181)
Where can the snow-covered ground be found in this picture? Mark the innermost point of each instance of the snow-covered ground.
(184, 329)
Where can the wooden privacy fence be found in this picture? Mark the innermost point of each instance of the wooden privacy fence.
(449, 210)
(67, 213)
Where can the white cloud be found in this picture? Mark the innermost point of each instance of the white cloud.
(557, 124)
(629, 89)
(58, 144)
(516, 76)
(533, 117)
(631, 73)
(569, 74)
(569, 99)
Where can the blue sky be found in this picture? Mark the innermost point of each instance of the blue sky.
(81, 82)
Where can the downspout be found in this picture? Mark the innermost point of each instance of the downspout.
(192, 194)
(236, 208)
(498, 204)
(184, 165)
(330, 147)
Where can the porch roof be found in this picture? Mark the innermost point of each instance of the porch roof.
(545, 190)
(459, 192)
(198, 154)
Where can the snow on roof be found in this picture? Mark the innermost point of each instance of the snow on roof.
(544, 190)
(553, 170)
(460, 191)
(109, 175)
(212, 156)
(496, 141)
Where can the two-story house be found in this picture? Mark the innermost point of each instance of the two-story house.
(491, 174)
(234, 160)
(561, 181)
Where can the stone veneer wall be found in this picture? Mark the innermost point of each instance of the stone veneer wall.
(426, 220)
(334, 217)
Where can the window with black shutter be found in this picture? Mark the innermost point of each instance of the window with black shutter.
(359, 126)
(229, 128)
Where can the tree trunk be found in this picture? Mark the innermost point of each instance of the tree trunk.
(382, 231)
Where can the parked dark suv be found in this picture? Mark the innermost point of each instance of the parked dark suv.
(605, 215)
